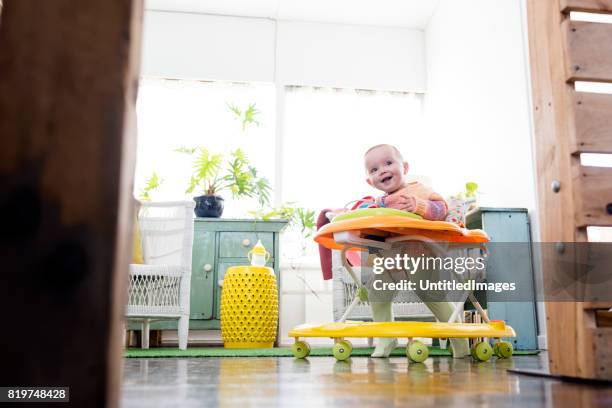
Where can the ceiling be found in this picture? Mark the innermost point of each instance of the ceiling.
(393, 13)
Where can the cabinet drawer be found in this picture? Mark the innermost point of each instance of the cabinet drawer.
(237, 244)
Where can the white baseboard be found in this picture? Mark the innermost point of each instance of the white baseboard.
(542, 343)
(196, 337)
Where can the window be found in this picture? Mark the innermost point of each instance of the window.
(175, 113)
(326, 133)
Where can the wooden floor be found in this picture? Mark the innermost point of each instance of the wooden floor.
(360, 382)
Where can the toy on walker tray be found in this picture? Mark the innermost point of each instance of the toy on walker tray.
(378, 229)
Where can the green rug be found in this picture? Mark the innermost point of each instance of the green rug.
(273, 352)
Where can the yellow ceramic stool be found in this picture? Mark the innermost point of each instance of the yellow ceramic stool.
(249, 307)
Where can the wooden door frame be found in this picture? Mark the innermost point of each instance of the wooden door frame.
(68, 82)
(571, 196)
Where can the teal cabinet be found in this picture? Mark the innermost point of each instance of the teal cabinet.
(511, 225)
(219, 243)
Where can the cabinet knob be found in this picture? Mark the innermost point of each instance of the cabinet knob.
(207, 267)
(246, 242)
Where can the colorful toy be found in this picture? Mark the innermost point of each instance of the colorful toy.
(382, 229)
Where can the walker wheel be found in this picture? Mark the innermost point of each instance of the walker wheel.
(342, 350)
(482, 351)
(300, 349)
(503, 349)
(348, 344)
(417, 351)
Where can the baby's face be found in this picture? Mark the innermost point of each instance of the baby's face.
(385, 169)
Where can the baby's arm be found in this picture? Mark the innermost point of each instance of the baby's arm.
(432, 209)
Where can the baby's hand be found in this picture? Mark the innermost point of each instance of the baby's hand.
(401, 201)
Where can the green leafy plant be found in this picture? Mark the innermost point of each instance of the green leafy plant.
(306, 221)
(299, 218)
(151, 184)
(248, 117)
(238, 176)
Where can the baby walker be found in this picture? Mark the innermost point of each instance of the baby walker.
(376, 229)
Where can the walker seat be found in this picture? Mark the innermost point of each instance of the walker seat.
(375, 229)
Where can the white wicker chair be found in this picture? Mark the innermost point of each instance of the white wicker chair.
(159, 289)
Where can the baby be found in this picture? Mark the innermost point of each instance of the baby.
(386, 171)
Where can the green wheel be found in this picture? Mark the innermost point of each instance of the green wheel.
(300, 349)
(342, 350)
(503, 349)
(348, 344)
(482, 351)
(417, 351)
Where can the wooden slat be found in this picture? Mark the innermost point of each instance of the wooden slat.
(602, 345)
(593, 196)
(68, 78)
(602, 304)
(589, 51)
(590, 6)
(592, 123)
(585, 323)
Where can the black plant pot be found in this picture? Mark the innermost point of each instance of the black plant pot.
(208, 206)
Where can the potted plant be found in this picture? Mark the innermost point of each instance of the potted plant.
(211, 177)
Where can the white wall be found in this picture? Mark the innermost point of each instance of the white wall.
(199, 46)
(350, 56)
(208, 47)
(476, 106)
